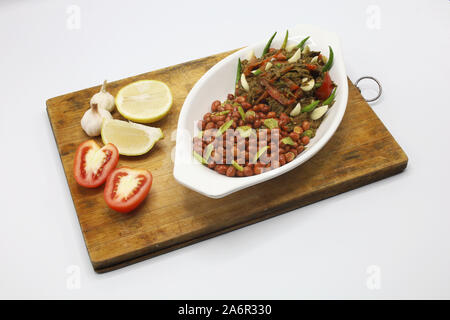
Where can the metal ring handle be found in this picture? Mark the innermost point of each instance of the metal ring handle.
(380, 90)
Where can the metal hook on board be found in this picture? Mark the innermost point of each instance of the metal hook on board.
(380, 90)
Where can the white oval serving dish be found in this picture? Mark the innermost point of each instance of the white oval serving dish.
(218, 82)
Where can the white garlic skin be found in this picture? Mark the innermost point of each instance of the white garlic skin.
(93, 119)
(103, 99)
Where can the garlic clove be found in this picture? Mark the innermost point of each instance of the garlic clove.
(244, 82)
(306, 50)
(296, 111)
(318, 112)
(297, 55)
(92, 120)
(307, 85)
(314, 60)
(251, 55)
(290, 47)
(103, 99)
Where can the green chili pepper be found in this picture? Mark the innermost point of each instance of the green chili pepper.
(288, 140)
(311, 106)
(308, 133)
(271, 123)
(237, 166)
(209, 149)
(224, 127)
(245, 131)
(278, 65)
(329, 63)
(283, 46)
(259, 153)
(199, 158)
(257, 72)
(267, 47)
(330, 98)
(302, 43)
(239, 71)
(241, 112)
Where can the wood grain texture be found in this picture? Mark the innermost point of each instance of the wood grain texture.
(361, 151)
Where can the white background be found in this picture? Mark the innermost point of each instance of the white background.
(400, 224)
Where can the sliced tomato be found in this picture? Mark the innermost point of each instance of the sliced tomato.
(325, 89)
(93, 164)
(126, 188)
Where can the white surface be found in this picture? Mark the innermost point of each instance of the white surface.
(218, 82)
(400, 224)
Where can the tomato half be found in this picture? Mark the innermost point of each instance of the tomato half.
(93, 164)
(325, 89)
(126, 188)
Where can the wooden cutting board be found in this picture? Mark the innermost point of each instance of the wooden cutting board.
(361, 151)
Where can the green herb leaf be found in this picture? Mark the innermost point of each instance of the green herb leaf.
(241, 112)
(209, 149)
(221, 113)
(308, 133)
(288, 140)
(259, 153)
(271, 123)
(224, 128)
(237, 166)
(245, 131)
(199, 158)
(250, 113)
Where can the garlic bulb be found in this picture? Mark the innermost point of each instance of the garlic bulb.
(92, 120)
(103, 99)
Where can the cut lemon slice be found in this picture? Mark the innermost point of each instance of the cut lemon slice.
(144, 101)
(131, 139)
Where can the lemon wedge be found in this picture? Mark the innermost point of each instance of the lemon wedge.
(131, 139)
(144, 101)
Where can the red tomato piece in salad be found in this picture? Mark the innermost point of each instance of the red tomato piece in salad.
(325, 89)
